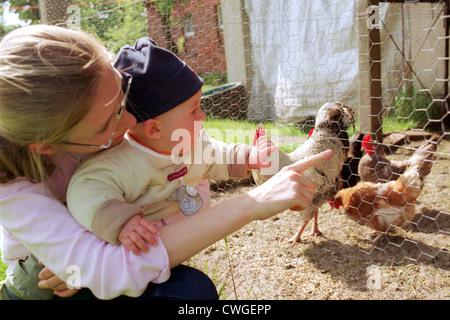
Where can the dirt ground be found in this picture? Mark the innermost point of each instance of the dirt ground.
(344, 263)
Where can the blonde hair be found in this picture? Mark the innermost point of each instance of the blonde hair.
(48, 77)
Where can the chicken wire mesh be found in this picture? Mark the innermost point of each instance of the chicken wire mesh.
(276, 63)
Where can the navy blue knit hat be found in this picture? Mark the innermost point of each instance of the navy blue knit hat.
(161, 81)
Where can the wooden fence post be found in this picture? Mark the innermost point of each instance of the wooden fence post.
(376, 107)
(369, 77)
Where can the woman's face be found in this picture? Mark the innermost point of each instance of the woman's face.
(100, 123)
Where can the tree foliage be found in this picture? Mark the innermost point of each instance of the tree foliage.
(115, 24)
(26, 14)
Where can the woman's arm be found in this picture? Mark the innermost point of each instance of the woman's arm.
(189, 236)
(47, 229)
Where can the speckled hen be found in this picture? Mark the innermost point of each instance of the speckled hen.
(330, 132)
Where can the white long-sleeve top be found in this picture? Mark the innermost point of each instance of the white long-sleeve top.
(34, 219)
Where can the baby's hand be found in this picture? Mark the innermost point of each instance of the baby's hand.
(262, 148)
(136, 232)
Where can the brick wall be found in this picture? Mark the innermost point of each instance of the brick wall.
(202, 48)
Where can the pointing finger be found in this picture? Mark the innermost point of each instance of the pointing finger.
(305, 164)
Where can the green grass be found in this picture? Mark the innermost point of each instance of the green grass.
(2, 269)
(412, 108)
(391, 124)
(243, 131)
(206, 87)
(226, 124)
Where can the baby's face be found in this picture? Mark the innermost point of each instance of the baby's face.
(183, 120)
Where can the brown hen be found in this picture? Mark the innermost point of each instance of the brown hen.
(376, 167)
(382, 205)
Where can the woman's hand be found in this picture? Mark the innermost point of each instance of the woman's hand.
(287, 189)
(48, 280)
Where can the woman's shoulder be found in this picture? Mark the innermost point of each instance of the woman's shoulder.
(18, 186)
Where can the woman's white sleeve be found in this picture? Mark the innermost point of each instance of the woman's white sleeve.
(45, 226)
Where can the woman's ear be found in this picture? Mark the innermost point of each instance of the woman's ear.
(42, 148)
(151, 129)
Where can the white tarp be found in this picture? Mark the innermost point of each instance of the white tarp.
(304, 53)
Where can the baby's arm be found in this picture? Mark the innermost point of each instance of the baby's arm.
(135, 232)
(97, 196)
(101, 197)
(240, 159)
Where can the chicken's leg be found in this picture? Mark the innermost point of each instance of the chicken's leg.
(306, 217)
(298, 235)
(315, 228)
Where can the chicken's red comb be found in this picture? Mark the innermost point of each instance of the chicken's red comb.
(368, 144)
(259, 131)
(310, 132)
(334, 204)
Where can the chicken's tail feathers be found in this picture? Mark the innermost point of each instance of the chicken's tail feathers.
(411, 178)
(424, 155)
(260, 131)
(429, 147)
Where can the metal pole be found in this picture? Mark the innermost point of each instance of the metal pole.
(53, 12)
(446, 103)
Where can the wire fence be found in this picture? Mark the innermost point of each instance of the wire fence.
(277, 63)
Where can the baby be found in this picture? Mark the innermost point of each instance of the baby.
(151, 178)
